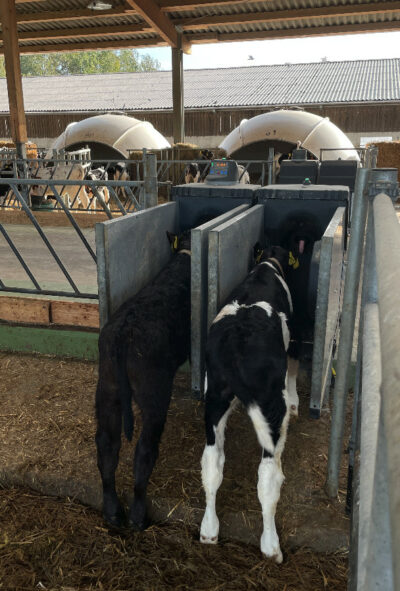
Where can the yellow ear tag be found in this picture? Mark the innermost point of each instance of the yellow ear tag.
(258, 257)
(175, 243)
(333, 372)
(293, 262)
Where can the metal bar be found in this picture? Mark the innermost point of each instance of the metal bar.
(387, 231)
(19, 256)
(346, 331)
(150, 180)
(75, 225)
(50, 292)
(45, 240)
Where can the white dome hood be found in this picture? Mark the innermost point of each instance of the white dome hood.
(120, 132)
(313, 132)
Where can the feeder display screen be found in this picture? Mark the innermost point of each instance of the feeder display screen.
(223, 170)
(219, 167)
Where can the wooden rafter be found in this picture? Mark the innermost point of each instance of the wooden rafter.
(152, 14)
(296, 32)
(86, 33)
(90, 45)
(289, 15)
(171, 6)
(69, 15)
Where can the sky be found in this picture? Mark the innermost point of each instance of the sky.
(280, 51)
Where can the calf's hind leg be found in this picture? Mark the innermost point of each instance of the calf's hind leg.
(270, 476)
(154, 404)
(212, 463)
(108, 442)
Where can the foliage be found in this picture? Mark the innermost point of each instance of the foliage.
(84, 62)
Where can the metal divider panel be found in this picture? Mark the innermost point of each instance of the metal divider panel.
(328, 307)
(199, 292)
(230, 255)
(131, 251)
(198, 209)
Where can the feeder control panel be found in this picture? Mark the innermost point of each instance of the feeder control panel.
(223, 171)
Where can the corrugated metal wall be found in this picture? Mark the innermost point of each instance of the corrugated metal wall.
(349, 118)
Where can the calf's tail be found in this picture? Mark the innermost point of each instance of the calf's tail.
(125, 392)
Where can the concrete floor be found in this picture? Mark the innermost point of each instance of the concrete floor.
(69, 248)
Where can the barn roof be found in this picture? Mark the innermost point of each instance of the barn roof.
(273, 85)
(71, 25)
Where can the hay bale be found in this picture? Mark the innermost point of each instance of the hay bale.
(388, 155)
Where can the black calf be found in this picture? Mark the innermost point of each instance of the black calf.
(141, 347)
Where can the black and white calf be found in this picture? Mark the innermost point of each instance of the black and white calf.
(141, 347)
(246, 361)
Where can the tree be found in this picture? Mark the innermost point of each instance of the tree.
(87, 62)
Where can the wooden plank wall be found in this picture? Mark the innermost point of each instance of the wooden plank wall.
(349, 118)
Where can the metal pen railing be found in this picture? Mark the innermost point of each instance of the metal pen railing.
(374, 450)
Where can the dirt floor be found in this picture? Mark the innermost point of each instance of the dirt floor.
(47, 445)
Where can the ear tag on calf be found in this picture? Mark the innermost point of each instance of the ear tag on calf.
(174, 244)
(259, 255)
(293, 262)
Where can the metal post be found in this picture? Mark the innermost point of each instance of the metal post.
(388, 264)
(346, 331)
(150, 180)
(271, 153)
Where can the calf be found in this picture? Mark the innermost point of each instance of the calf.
(246, 360)
(70, 194)
(195, 172)
(141, 347)
(119, 172)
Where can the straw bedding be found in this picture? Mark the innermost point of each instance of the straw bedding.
(47, 444)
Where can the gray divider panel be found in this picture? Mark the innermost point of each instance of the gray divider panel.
(131, 251)
(327, 308)
(199, 292)
(230, 255)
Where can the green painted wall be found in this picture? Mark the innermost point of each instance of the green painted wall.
(47, 341)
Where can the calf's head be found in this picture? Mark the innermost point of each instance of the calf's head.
(179, 241)
(276, 253)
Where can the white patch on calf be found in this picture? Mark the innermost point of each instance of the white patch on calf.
(262, 428)
(205, 384)
(265, 306)
(212, 466)
(270, 478)
(285, 287)
(228, 310)
(285, 330)
(293, 366)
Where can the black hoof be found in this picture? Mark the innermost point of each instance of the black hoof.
(139, 525)
(115, 520)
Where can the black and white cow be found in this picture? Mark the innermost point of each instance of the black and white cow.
(141, 348)
(196, 172)
(246, 361)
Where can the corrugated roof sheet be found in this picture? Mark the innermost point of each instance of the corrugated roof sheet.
(253, 86)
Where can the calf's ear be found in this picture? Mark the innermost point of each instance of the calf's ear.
(173, 240)
(257, 252)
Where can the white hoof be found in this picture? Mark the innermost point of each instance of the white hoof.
(270, 547)
(294, 410)
(209, 528)
(206, 540)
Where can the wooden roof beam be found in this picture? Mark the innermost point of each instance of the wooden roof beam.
(171, 6)
(69, 15)
(86, 33)
(90, 45)
(152, 14)
(13, 73)
(350, 29)
(288, 15)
